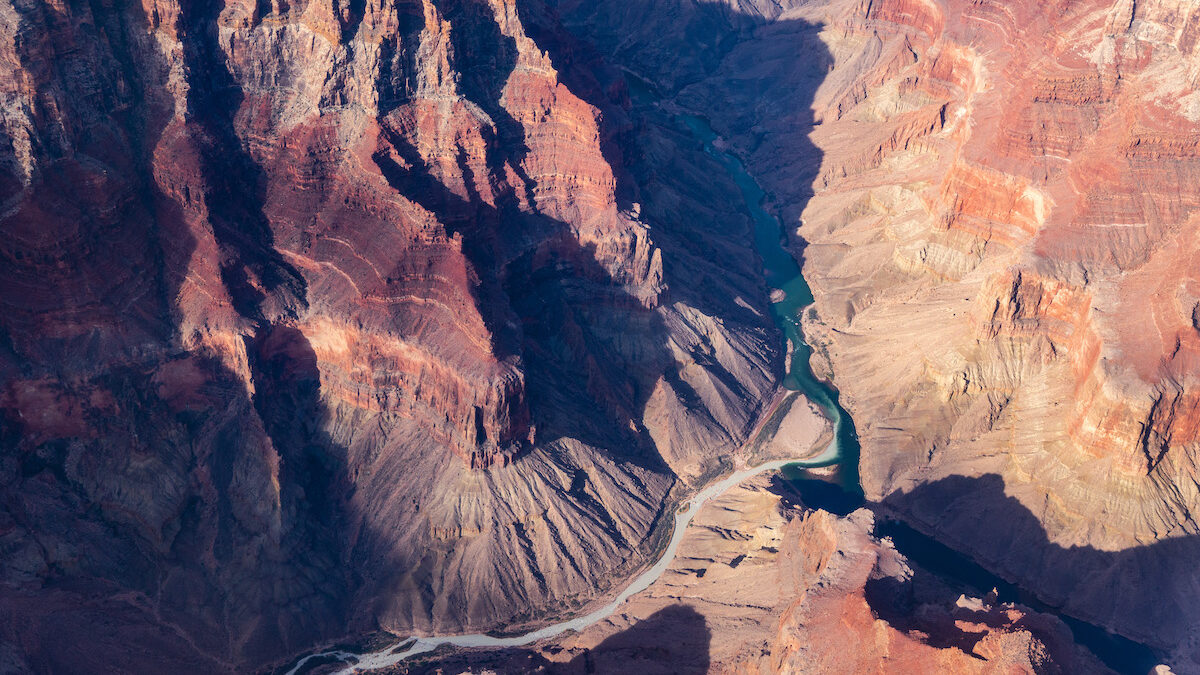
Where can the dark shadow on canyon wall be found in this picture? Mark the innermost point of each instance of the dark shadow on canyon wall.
(924, 605)
(485, 58)
(261, 284)
(80, 566)
(591, 351)
(634, 61)
(814, 493)
(696, 212)
(1143, 592)
(553, 307)
(545, 299)
(265, 289)
(754, 77)
(225, 580)
(674, 640)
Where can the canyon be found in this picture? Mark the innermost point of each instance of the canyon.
(328, 317)
(320, 319)
(994, 204)
(764, 584)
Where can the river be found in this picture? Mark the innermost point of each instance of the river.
(844, 493)
(389, 656)
(782, 273)
(839, 495)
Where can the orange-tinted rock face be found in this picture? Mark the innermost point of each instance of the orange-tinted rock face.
(1001, 238)
(1001, 242)
(763, 585)
(1037, 256)
(320, 317)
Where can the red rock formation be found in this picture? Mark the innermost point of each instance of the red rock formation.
(1000, 244)
(762, 585)
(1000, 239)
(1047, 295)
(321, 317)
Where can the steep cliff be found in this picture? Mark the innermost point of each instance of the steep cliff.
(763, 584)
(995, 204)
(326, 316)
(1019, 297)
(333, 315)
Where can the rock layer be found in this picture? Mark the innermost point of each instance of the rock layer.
(1032, 264)
(995, 205)
(321, 317)
(763, 584)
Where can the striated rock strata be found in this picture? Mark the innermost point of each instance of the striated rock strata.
(996, 208)
(764, 585)
(321, 317)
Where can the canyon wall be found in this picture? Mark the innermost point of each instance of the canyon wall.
(322, 317)
(764, 584)
(1018, 306)
(327, 316)
(995, 204)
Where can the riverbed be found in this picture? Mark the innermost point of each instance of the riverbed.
(843, 493)
(683, 516)
(785, 279)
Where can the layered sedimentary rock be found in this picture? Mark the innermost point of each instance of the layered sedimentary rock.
(763, 584)
(326, 316)
(1033, 263)
(995, 204)
(320, 317)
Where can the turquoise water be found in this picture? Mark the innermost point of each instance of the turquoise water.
(782, 272)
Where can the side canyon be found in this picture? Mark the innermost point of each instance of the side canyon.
(322, 318)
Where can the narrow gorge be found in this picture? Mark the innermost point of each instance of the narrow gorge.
(330, 322)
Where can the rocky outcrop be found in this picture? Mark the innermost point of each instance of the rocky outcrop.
(324, 317)
(1032, 265)
(321, 317)
(763, 584)
(995, 206)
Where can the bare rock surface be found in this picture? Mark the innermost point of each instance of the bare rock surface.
(763, 584)
(324, 317)
(998, 243)
(995, 204)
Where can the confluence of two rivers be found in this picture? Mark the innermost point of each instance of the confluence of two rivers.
(782, 273)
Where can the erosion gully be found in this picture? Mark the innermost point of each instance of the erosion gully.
(836, 489)
(844, 492)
